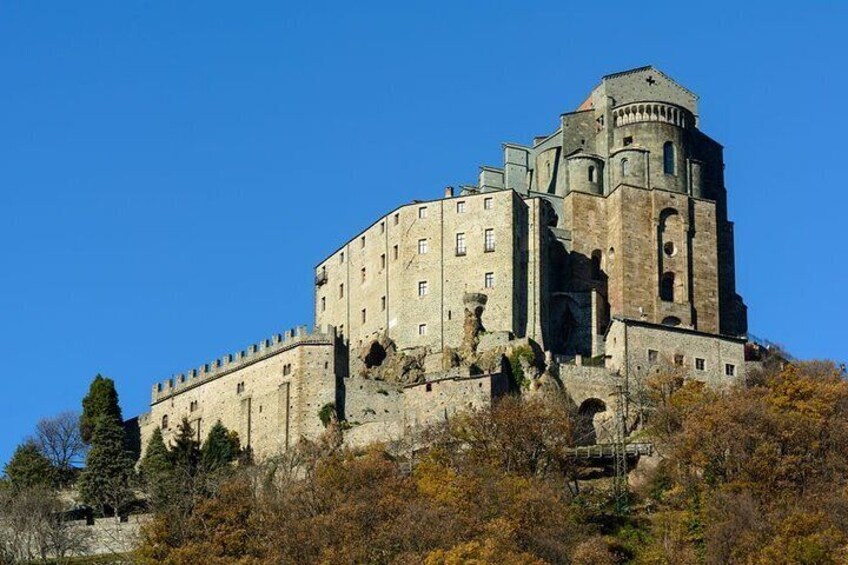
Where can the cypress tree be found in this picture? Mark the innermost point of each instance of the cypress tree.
(185, 451)
(29, 467)
(101, 401)
(220, 449)
(157, 470)
(109, 467)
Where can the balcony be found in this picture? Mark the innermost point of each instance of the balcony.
(321, 278)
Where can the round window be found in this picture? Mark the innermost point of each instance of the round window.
(670, 249)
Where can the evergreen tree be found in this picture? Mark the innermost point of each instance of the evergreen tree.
(220, 449)
(29, 467)
(185, 451)
(101, 401)
(109, 467)
(157, 470)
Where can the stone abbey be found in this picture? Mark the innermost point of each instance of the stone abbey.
(589, 259)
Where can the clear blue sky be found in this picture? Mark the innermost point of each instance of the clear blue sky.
(172, 171)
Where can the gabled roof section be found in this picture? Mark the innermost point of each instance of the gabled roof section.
(653, 70)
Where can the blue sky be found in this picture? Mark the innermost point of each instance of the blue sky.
(172, 171)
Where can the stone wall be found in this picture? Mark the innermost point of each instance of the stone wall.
(271, 400)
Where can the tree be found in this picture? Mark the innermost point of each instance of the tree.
(221, 448)
(60, 440)
(185, 451)
(101, 401)
(109, 466)
(157, 470)
(28, 467)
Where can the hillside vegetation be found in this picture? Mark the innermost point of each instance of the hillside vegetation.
(748, 475)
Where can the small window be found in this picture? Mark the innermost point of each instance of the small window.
(362, 242)
(729, 370)
(395, 252)
(460, 207)
(323, 303)
(364, 317)
(382, 227)
(165, 422)
(422, 329)
(428, 387)
(422, 288)
(668, 158)
(678, 359)
(625, 167)
(460, 244)
(239, 388)
(700, 364)
(489, 280)
(653, 355)
(488, 203)
(382, 261)
(422, 213)
(669, 249)
(341, 290)
(422, 246)
(596, 265)
(591, 173)
(192, 406)
(383, 303)
(489, 240)
(341, 257)
(397, 218)
(628, 140)
(667, 287)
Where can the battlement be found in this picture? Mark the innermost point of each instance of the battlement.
(234, 361)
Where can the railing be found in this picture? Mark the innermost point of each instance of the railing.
(651, 112)
(607, 450)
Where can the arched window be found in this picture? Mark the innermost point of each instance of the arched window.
(667, 287)
(625, 167)
(165, 422)
(591, 174)
(668, 158)
(596, 265)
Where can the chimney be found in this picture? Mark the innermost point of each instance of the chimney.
(448, 192)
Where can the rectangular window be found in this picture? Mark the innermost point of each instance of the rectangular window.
(422, 329)
(382, 261)
(422, 246)
(422, 288)
(489, 280)
(341, 257)
(489, 240)
(341, 290)
(729, 369)
(397, 218)
(323, 303)
(460, 244)
(653, 355)
(382, 227)
(193, 406)
(460, 207)
(700, 364)
(363, 315)
(395, 252)
(383, 303)
(422, 213)
(362, 242)
(678, 359)
(488, 203)
(362, 273)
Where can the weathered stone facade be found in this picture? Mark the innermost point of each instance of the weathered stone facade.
(594, 248)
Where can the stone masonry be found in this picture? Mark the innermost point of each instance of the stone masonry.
(589, 259)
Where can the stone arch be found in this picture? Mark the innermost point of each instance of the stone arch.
(588, 421)
(376, 355)
(671, 321)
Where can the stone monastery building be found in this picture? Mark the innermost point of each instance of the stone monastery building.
(591, 257)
